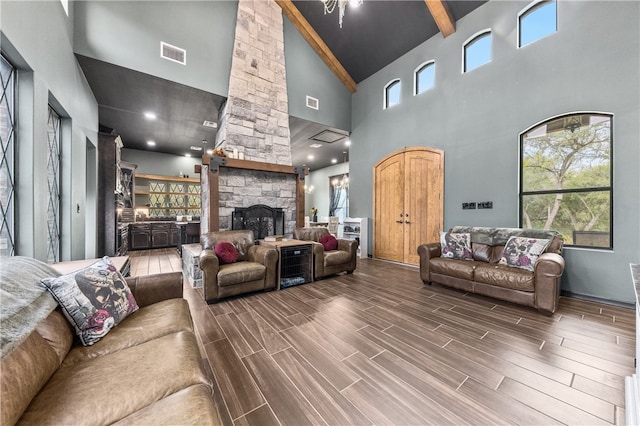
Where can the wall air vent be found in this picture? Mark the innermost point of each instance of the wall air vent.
(328, 136)
(173, 53)
(313, 103)
(207, 123)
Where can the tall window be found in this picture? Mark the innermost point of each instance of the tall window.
(339, 196)
(536, 21)
(392, 93)
(566, 178)
(7, 142)
(53, 185)
(424, 77)
(477, 51)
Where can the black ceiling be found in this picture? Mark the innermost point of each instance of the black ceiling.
(373, 35)
(377, 32)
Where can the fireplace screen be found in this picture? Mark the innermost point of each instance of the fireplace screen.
(261, 219)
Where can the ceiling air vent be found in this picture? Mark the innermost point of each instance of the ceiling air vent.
(328, 136)
(173, 53)
(312, 103)
(207, 123)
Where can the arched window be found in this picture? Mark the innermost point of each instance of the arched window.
(566, 178)
(536, 21)
(392, 93)
(424, 77)
(477, 51)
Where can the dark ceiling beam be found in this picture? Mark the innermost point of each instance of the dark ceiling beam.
(442, 16)
(317, 43)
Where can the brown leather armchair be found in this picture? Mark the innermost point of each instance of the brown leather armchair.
(255, 269)
(329, 262)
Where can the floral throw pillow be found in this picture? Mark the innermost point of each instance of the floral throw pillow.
(94, 299)
(456, 245)
(523, 252)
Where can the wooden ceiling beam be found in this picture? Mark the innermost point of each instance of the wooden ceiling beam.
(317, 43)
(442, 16)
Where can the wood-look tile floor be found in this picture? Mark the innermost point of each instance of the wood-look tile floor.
(380, 347)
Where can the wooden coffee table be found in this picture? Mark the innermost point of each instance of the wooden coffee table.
(121, 262)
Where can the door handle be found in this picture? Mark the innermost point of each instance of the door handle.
(406, 221)
(398, 221)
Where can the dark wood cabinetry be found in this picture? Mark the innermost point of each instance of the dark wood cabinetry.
(140, 236)
(160, 235)
(173, 236)
(106, 201)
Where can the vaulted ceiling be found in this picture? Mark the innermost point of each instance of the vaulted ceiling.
(372, 36)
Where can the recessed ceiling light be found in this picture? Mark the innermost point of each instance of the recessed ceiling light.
(187, 155)
(150, 116)
(348, 142)
(195, 148)
(334, 160)
(310, 157)
(210, 151)
(315, 145)
(151, 143)
(207, 123)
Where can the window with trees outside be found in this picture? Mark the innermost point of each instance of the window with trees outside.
(566, 178)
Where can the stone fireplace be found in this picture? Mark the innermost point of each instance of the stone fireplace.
(261, 219)
(254, 122)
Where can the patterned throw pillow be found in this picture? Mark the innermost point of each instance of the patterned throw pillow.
(226, 252)
(523, 252)
(456, 245)
(329, 242)
(94, 299)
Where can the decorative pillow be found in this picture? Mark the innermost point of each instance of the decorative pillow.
(94, 299)
(226, 252)
(522, 252)
(456, 245)
(329, 242)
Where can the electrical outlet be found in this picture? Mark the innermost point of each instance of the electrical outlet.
(468, 206)
(485, 205)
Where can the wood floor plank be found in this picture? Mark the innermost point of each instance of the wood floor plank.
(289, 406)
(237, 387)
(238, 335)
(334, 408)
(336, 347)
(437, 369)
(260, 416)
(607, 393)
(266, 335)
(561, 411)
(335, 372)
(352, 338)
(272, 317)
(615, 353)
(207, 327)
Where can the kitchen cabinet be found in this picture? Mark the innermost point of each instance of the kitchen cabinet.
(140, 236)
(160, 235)
(167, 196)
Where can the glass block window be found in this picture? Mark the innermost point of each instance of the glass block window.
(392, 93)
(424, 77)
(7, 142)
(53, 186)
(566, 178)
(477, 51)
(537, 21)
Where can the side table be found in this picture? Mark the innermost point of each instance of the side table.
(295, 261)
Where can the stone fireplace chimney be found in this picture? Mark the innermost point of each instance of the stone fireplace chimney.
(254, 123)
(255, 119)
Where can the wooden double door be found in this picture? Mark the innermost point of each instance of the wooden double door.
(408, 202)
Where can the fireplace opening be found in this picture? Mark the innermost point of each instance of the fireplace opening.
(261, 219)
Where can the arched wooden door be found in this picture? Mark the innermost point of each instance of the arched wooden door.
(408, 202)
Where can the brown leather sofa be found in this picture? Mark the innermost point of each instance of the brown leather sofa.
(483, 275)
(329, 262)
(146, 370)
(255, 269)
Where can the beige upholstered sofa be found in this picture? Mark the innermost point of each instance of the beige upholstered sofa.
(539, 288)
(254, 270)
(146, 370)
(329, 262)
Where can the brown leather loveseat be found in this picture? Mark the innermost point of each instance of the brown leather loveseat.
(539, 288)
(146, 370)
(343, 259)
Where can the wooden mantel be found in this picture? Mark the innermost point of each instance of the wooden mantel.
(214, 164)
